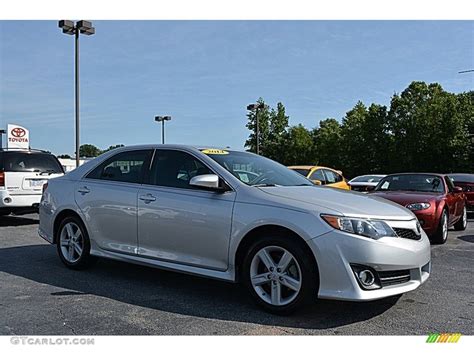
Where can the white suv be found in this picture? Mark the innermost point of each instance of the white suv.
(22, 176)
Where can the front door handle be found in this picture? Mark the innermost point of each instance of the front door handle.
(147, 198)
(83, 190)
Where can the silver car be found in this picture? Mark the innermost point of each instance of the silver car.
(234, 216)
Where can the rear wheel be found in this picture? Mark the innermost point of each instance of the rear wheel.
(280, 275)
(441, 234)
(73, 244)
(462, 223)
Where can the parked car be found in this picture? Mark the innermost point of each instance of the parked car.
(365, 183)
(433, 198)
(321, 175)
(466, 182)
(22, 175)
(187, 209)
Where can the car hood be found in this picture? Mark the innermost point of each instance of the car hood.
(406, 197)
(345, 202)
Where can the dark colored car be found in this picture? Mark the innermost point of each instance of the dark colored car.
(433, 198)
(466, 182)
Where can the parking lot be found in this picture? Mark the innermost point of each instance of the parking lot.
(38, 295)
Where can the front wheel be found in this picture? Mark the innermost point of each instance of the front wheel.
(462, 223)
(441, 235)
(73, 244)
(280, 275)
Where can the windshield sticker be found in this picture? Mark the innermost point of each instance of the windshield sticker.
(215, 151)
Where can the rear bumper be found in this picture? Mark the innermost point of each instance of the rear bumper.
(13, 201)
(336, 251)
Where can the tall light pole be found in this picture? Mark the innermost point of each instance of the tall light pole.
(71, 28)
(256, 107)
(162, 119)
(2, 132)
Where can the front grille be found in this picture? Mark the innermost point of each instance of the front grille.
(407, 233)
(358, 188)
(396, 277)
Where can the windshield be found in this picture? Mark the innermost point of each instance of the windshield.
(367, 178)
(31, 162)
(256, 170)
(414, 182)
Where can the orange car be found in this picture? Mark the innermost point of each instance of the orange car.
(321, 175)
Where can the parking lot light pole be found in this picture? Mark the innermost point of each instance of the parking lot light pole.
(256, 107)
(71, 28)
(2, 132)
(162, 119)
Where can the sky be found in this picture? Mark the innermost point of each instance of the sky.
(204, 73)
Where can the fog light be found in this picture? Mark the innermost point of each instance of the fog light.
(366, 277)
(7, 200)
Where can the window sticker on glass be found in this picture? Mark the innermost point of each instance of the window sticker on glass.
(385, 185)
(215, 151)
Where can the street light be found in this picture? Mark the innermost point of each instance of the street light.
(69, 28)
(256, 107)
(162, 119)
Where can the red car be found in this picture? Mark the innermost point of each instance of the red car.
(433, 198)
(466, 182)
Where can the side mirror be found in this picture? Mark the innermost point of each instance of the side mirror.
(206, 181)
(457, 190)
(317, 182)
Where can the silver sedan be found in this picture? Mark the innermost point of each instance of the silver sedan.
(234, 216)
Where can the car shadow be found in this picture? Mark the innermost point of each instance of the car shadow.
(174, 292)
(16, 221)
(467, 238)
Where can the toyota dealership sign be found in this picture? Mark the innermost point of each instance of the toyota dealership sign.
(17, 137)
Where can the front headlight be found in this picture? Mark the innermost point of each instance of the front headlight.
(366, 227)
(418, 206)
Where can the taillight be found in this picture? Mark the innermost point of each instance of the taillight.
(45, 186)
(2, 178)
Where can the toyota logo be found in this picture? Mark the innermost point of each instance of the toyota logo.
(18, 132)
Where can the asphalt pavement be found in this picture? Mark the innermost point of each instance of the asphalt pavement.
(38, 295)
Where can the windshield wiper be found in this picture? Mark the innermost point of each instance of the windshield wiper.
(264, 185)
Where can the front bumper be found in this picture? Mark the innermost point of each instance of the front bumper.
(335, 251)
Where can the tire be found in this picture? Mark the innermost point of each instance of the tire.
(272, 287)
(462, 223)
(79, 258)
(441, 234)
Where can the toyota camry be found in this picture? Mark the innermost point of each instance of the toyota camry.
(234, 216)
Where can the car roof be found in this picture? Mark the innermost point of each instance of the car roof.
(434, 174)
(175, 146)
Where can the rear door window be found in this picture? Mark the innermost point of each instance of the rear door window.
(123, 167)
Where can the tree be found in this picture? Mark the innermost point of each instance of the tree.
(327, 143)
(297, 146)
(273, 124)
(89, 151)
(64, 156)
(429, 130)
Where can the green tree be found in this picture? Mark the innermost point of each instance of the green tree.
(327, 143)
(429, 130)
(64, 156)
(273, 124)
(298, 146)
(89, 151)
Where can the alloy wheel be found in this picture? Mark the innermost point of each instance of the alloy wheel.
(275, 275)
(72, 242)
(445, 226)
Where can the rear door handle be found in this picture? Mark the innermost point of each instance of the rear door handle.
(147, 198)
(83, 190)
